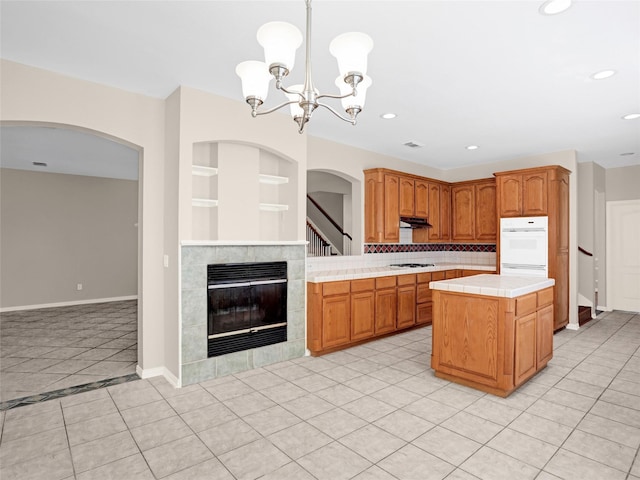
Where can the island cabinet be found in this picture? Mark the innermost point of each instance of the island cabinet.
(491, 343)
(542, 191)
(473, 206)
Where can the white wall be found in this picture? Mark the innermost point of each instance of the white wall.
(59, 230)
(34, 95)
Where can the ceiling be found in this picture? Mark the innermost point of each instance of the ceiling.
(496, 74)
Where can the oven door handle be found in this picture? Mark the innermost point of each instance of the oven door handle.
(523, 266)
(268, 282)
(228, 285)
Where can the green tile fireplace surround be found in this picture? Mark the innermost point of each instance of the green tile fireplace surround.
(195, 256)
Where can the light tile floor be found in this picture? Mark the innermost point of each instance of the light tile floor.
(371, 412)
(54, 348)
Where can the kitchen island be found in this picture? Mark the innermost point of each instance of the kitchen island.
(492, 332)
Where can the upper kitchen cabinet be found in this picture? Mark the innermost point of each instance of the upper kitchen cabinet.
(522, 193)
(473, 207)
(439, 213)
(407, 197)
(382, 207)
(421, 194)
(542, 191)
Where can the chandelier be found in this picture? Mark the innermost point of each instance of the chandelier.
(280, 41)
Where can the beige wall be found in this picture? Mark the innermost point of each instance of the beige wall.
(623, 183)
(40, 97)
(60, 230)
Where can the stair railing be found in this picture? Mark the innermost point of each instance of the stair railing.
(317, 246)
(346, 238)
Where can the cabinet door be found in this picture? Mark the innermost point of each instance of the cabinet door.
(434, 211)
(534, 194)
(407, 197)
(486, 225)
(386, 302)
(391, 209)
(525, 348)
(424, 313)
(510, 201)
(406, 306)
(362, 315)
(462, 205)
(372, 210)
(544, 336)
(445, 212)
(336, 313)
(421, 193)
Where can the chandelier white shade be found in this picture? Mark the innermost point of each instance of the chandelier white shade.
(280, 41)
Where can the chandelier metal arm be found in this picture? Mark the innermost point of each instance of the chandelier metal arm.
(277, 107)
(330, 95)
(352, 121)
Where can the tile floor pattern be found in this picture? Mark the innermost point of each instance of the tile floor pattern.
(54, 348)
(375, 411)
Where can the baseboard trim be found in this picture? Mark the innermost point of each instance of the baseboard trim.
(572, 326)
(68, 304)
(158, 372)
(604, 309)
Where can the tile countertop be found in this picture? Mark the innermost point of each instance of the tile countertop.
(368, 272)
(494, 285)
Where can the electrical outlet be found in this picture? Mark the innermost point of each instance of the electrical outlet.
(79, 286)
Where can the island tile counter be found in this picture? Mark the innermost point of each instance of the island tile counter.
(492, 332)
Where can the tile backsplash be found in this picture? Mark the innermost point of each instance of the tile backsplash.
(381, 255)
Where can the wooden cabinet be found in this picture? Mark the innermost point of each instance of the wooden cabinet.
(382, 207)
(473, 207)
(336, 314)
(421, 194)
(523, 194)
(407, 197)
(463, 206)
(362, 308)
(493, 344)
(445, 212)
(386, 305)
(406, 291)
(542, 191)
(424, 305)
(486, 220)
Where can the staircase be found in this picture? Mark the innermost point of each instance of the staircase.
(584, 315)
(319, 243)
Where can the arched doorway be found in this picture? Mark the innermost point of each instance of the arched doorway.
(70, 253)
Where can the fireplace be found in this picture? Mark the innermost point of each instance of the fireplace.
(247, 306)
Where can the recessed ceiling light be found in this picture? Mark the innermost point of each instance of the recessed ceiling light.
(631, 116)
(552, 7)
(626, 154)
(39, 164)
(603, 74)
(471, 147)
(388, 116)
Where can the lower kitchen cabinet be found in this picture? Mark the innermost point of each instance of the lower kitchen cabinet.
(363, 301)
(386, 305)
(406, 301)
(344, 313)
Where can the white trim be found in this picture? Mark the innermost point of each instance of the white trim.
(67, 304)
(603, 308)
(573, 326)
(158, 372)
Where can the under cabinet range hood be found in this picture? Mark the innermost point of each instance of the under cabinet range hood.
(414, 222)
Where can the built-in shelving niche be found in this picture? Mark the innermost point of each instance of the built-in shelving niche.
(266, 210)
